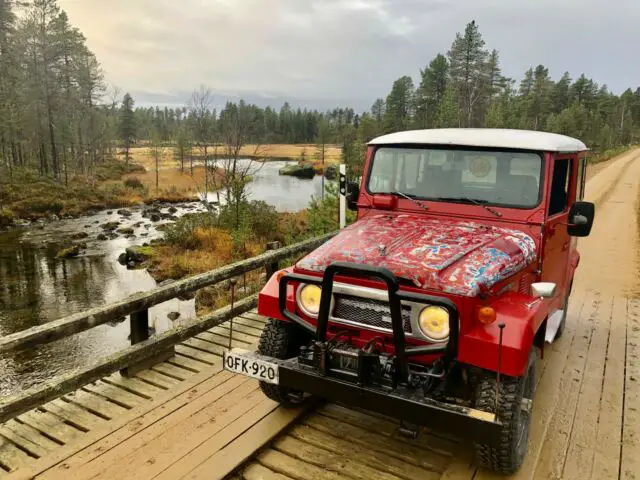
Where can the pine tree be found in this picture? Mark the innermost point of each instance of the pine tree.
(429, 95)
(398, 106)
(127, 125)
(468, 67)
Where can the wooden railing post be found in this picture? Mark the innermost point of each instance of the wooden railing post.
(139, 329)
(273, 267)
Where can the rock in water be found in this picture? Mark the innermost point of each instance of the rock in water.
(69, 252)
(173, 316)
(124, 212)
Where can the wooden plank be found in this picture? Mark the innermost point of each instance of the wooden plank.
(606, 462)
(255, 471)
(346, 467)
(115, 394)
(172, 371)
(360, 453)
(51, 426)
(462, 467)
(372, 424)
(24, 443)
(582, 442)
(223, 342)
(157, 379)
(296, 468)
(405, 451)
(253, 315)
(208, 461)
(96, 404)
(11, 456)
(134, 385)
(223, 338)
(553, 452)
(236, 443)
(205, 346)
(187, 363)
(78, 417)
(185, 396)
(224, 329)
(199, 355)
(15, 404)
(31, 435)
(630, 461)
(79, 322)
(157, 447)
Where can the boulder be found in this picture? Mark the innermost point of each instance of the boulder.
(124, 212)
(299, 171)
(79, 235)
(69, 252)
(102, 237)
(110, 226)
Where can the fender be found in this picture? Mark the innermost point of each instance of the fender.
(522, 315)
(268, 297)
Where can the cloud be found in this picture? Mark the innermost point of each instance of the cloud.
(328, 52)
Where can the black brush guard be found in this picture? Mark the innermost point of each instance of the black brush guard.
(401, 401)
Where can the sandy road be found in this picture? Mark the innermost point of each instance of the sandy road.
(609, 262)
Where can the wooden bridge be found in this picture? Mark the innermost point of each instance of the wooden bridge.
(164, 409)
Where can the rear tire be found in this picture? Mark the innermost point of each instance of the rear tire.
(281, 340)
(516, 419)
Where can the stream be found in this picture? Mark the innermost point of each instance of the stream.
(36, 287)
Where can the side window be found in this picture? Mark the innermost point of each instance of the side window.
(559, 186)
(582, 174)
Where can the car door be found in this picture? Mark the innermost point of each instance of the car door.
(557, 242)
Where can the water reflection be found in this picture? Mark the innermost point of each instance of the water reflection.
(36, 287)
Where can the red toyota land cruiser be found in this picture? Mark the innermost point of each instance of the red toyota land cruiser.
(430, 307)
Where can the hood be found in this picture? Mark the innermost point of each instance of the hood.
(443, 254)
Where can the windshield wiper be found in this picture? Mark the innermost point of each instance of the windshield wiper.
(412, 198)
(471, 200)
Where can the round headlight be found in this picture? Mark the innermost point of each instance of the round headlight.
(434, 323)
(309, 299)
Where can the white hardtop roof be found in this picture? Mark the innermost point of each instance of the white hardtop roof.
(485, 137)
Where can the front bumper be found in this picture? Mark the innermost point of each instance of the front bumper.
(377, 382)
(402, 402)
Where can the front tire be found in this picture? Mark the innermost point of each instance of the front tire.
(516, 396)
(281, 340)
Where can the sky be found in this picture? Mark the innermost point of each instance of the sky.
(327, 53)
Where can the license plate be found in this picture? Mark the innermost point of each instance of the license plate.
(242, 362)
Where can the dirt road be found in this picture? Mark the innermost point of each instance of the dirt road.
(609, 255)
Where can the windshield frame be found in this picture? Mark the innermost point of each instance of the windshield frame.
(539, 153)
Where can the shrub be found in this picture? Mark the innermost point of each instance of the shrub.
(133, 182)
(182, 232)
(258, 219)
(6, 217)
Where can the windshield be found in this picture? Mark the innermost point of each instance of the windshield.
(509, 179)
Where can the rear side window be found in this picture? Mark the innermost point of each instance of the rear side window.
(560, 186)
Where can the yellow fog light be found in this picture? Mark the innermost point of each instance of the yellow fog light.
(434, 323)
(309, 299)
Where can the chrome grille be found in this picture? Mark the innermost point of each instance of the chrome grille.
(366, 311)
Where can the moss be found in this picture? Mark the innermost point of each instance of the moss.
(6, 217)
(69, 252)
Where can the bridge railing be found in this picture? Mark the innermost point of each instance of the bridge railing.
(144, 351)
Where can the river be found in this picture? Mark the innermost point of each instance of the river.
(36, 287)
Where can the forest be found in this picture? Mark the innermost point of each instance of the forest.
(60, 119)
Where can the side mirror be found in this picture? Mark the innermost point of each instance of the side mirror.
(543, 289)
(581, 218)
(353, 192)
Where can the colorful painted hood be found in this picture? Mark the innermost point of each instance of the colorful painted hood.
(447, 255)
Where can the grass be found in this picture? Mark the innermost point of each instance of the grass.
(598, 157)
(31, 196)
